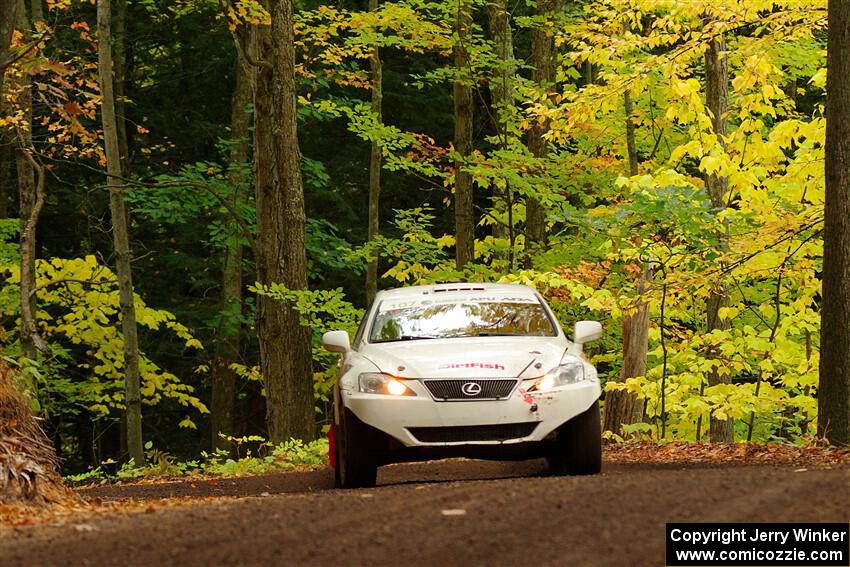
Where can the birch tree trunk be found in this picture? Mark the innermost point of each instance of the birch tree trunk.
(376, 69)
(285, 344)
(121, 238)
(717, 93)
(462, 93)
(229, 334)
(834, 381)
(543, 60)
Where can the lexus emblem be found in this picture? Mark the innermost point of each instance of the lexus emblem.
(471, 389)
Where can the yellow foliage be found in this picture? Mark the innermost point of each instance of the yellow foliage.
(83, 297)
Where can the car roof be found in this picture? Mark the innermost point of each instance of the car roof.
(455, 288)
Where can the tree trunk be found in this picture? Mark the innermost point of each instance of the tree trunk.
(834, 381)
(27, 201)
(462, 91)
(502, 84)
(543, 60)
(30, 340)
(285, 344)
(8, 21)
(502, 94)
(374, 168)
(37, 11)
(230, 331)
(121, 237)
(120, 80)
(623, 407)
(717, 92)
(630, 134)
(7, 185)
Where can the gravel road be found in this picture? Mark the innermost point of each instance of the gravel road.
(444, 513)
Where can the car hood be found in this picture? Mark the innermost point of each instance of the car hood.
(478, 357)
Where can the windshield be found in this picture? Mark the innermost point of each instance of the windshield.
(456, 318)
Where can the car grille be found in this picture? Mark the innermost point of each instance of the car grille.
(470, 389)
(466, 433)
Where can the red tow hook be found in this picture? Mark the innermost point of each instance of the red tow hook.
(527, 398)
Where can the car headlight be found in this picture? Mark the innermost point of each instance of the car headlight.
(569, 371)
(379, 383)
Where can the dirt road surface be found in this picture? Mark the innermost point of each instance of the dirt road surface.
(433, 514)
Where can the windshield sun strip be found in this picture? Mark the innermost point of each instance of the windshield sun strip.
(376, 310)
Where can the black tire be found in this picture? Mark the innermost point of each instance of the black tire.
(337, 477)
(356, 466)
(578, 447)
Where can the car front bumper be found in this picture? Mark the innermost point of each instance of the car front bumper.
(401, 416)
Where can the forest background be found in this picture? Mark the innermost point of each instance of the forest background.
(654, 164)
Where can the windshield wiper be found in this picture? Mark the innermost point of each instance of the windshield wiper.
(486, 334)
(408, 338)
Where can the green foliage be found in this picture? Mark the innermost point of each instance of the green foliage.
(9, 248)
(190, 205)
(322, 311)
(662, 217)
(261, 458)
(417, 256)
(327, 253)
(290, 454)
(78, 316)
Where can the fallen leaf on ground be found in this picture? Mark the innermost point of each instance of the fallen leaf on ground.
(748, 453)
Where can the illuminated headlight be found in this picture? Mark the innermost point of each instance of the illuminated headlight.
(378, 383)
(570, 371)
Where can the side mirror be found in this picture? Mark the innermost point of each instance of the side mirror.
(587, 331)
(336, 341)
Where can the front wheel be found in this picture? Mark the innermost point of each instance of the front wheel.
(356, 465)
(578, 447)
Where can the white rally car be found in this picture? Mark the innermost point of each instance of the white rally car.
(472, 370)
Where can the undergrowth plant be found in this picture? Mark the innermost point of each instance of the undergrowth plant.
(251, 455)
